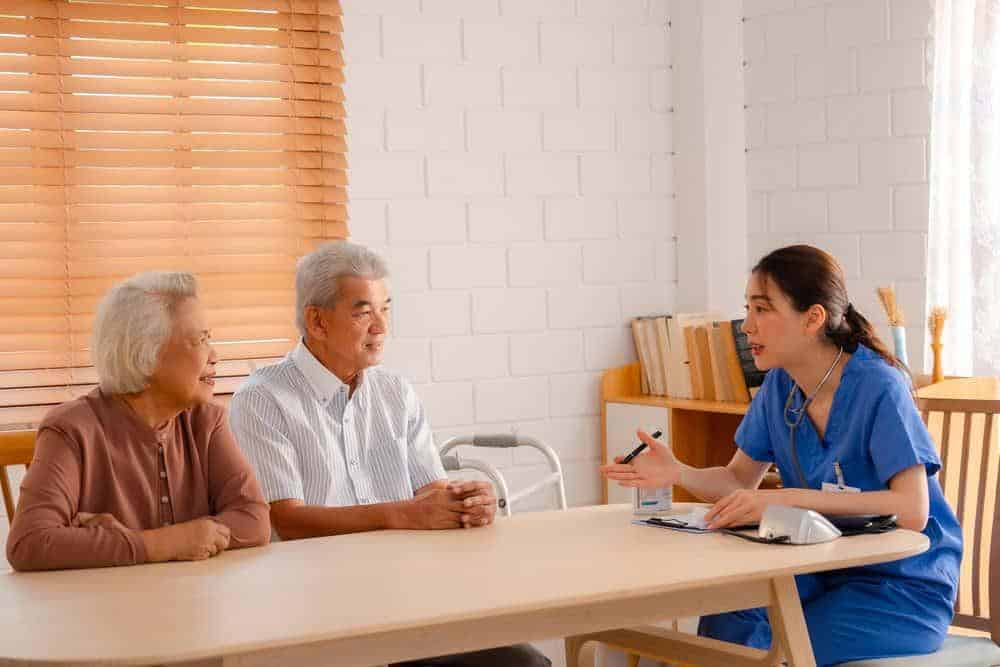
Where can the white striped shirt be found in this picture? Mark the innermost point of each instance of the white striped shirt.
(308, 441)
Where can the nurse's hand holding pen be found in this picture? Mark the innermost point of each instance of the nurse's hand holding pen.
(659, 467)
(653, 468)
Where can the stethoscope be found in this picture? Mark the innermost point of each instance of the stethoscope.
(799, 414)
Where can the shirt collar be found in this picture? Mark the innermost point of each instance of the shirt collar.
(324, 383)
(858, 357)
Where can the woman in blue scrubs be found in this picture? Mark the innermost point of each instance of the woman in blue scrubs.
(835, 411)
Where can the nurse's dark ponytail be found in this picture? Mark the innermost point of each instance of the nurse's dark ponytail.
(810, 276)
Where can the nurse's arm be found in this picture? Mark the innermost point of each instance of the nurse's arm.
(907, 498)
(711, 484)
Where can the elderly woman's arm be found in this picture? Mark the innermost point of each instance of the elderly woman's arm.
(45, 534)
(235, 494)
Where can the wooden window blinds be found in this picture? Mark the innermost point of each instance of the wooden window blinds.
(198, 135)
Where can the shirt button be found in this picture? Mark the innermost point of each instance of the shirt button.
(164, 499)
(166, 523)
(354, 462)
(163, 474)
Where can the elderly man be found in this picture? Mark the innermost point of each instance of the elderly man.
(341, 445)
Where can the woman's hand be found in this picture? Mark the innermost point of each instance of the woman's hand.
(192, 540)
(739, 508)
(654, 468)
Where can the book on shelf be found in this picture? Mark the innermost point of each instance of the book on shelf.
(734, 369)
(663, 350)
(638, 335)
(652, 346)
(677, 366)
(720, 373)
(753, 376)
(701, 356)
(703, 351)
(658, 381)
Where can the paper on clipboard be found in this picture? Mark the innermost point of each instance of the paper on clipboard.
(691, 522)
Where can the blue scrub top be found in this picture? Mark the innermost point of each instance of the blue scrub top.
(874, 431)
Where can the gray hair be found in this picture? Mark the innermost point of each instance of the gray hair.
(134, 320)
(317, 278)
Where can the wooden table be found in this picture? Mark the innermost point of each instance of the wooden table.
(379, 597)
(973, 388)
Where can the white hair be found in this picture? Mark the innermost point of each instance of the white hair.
(134, 320)
(317, 278)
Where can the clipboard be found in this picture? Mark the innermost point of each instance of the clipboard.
(672, 523)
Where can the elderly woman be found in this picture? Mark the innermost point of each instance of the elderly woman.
(143, 468)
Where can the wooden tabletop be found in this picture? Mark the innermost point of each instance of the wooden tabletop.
(974, 388)
(294, 593)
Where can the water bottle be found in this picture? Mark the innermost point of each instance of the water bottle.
(652, 502)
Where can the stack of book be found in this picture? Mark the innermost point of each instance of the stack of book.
(695, 355)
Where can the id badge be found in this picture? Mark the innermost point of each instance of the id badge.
(830, 487)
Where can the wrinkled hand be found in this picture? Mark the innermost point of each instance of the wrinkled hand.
(736, 509)
(654, 468)
(103, 520)
(434, 508)
(195, 540)
(479, 502)
(455, 505)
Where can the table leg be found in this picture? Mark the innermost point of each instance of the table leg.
(788, 625)
(577, 655)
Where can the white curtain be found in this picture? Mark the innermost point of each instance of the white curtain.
(964, 235)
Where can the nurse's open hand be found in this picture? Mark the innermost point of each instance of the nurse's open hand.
(653, 468)
(739, 508)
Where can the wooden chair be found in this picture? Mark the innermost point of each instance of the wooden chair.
(965, 431)
(16, 448)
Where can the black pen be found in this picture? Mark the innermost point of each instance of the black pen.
(635, 452)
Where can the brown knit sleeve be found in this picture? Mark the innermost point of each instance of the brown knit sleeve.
(234, 492)
(43, 536)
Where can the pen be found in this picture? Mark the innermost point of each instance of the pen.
(635, 452)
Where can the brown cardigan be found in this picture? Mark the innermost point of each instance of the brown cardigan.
(93, 454)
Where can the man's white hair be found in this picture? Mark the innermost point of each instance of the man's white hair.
(317, 278)
(134, 320)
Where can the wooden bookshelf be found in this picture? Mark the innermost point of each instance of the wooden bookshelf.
(700, 432)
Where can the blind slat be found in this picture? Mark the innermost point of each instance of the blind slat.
(221, 53)
(116, 122)
(201, 231)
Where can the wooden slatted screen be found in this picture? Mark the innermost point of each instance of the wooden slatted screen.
(199, 135)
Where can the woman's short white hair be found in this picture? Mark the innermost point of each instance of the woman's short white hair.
(317, 278)
(134, 320)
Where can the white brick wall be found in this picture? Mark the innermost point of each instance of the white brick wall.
(511, 160)
(838, 119)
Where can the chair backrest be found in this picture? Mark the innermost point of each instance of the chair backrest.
(965, 431)
(16, 448)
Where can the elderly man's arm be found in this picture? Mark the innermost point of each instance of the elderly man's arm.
(46, 533)
(439, 505)
(435, 508)
(235, 494)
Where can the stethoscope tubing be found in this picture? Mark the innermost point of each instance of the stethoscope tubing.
(800, 415)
